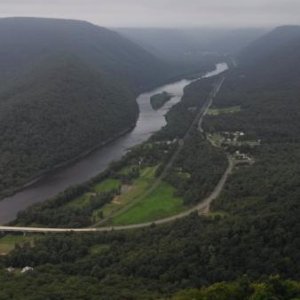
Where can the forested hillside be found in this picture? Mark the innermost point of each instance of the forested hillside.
(65, 87)
(26, 42)
(274, 59)
(60, 111)
(271, 288)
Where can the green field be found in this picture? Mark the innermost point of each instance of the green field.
(8, 242)
(126, 170)
(104, 186)
(159, 204)
(134, 191)
(107, 185)
(226, 110)
(81, 201)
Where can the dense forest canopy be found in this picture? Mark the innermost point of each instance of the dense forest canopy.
(64, 94)
(25, 42)
(157, 101)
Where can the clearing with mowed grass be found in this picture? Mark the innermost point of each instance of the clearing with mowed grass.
(103, 187)
(131, 192)
(160, 203)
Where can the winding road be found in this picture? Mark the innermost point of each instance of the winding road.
(202, 208)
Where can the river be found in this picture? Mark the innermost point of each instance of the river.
(54, 182)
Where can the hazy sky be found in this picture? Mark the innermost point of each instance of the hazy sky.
(161, 13)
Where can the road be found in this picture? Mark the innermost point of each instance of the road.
(209, 102)
(196, 122)
(201, 208)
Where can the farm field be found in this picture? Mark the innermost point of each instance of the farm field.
(130, 193)
(158, 204)
(102, 187)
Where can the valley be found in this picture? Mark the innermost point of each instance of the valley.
(198, 195)
(151, 152)
(66, 74)
(148, 122)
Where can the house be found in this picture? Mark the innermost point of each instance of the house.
(26, 269)
(242, 156)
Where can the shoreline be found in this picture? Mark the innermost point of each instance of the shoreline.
(43, 174)
(31, 193)
(201, 208)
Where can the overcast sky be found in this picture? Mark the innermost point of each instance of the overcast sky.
(161, 13)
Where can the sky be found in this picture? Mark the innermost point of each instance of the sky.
(161, 13)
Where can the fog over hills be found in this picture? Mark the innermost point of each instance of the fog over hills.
(26, 41)
(174, 42)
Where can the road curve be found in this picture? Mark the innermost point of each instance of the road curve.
(201, 208)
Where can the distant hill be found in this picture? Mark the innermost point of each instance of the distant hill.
(272, 43)
(266, 86)
(27, 41)
(65, 87)
(274, 59)
(191, 44)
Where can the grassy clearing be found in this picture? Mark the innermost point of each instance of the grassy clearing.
(105, 186)
(226, 110)
(8, 242)
(159, 204)
(81, 201)
(136, 190)
(127, 170)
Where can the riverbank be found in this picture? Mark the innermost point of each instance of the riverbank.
(42, 174)
(64, 164)
(202, 207)
(149, 121)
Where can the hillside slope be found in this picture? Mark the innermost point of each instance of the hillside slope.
(27, 41)
(274, 59)
(65, 87)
